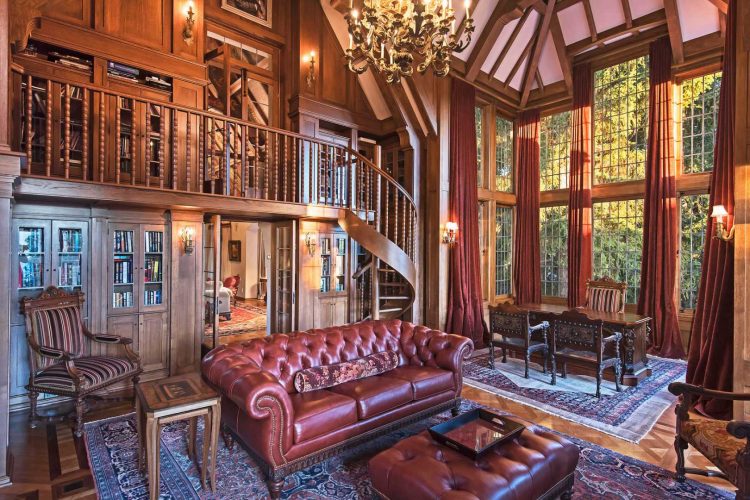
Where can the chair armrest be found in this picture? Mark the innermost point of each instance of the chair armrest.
(540, 326)
(739, 429)
(51, 352)
(106, 338)
(684, 389)
(615, 337)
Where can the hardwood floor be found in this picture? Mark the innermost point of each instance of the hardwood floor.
(48, 462)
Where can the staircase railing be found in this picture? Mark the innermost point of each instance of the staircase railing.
(79, 131)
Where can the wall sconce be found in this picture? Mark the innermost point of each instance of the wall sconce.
(310, 244)
(719, 212)
(187, 31)
(450, 234)
(310, 59)
(186, 235)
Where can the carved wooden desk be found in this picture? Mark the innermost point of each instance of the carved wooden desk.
(184, 397)
(636, 330)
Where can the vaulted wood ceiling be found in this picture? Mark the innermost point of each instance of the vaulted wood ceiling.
(525, 49)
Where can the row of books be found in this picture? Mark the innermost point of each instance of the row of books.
(32, 238)
(152, 297)
(154, 241)
(153, 270)
(30, 274)
(70, 61)
(125, 146)
(70, 240)
(122, 299)
(70, 271)
(123, 271)
(123, 241)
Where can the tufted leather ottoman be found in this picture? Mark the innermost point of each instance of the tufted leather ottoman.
(538, 464)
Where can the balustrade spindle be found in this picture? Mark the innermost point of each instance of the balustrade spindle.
(236, 161)
(118, 139)
(188, 156)
(102, 143)
(378, 188)
(201, 152)
(245, 162)
(212, 153)
(284, 167)
(48, 132)
(403, 223)
(134, 142)
(148, 145)
(162, 143)
(266, 169)
(256, 163)
(174, 148)
(85, 135)
(295, 147)
(29, 122)
(276, 166)
(66, 132)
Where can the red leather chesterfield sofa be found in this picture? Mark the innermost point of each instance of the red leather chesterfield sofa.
(287, 431)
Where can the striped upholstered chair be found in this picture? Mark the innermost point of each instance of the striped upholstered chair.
(606, 294)
(58, 352)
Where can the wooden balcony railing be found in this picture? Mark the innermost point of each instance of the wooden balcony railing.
(83, 132)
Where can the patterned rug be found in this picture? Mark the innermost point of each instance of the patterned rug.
(245, 318)
(112, 445)
(629, 414)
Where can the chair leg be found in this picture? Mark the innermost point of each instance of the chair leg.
(528, 360)
(33, 396)
(80, 405)
(554, 370)
(565, 369)
(505, 355)
(618, 374)
(599, 382)
(680, 445)
(492, 355)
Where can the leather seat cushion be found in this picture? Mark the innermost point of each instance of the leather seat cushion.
(321, 412)
(425, 380)
(419, 468)
(375, 395)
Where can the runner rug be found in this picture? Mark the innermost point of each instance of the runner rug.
(112, 451)
(629, 414)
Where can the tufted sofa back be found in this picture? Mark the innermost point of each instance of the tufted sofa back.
(283, 355)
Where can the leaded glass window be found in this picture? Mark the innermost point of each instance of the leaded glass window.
(478, 124)
(503, 154)
(554, 151)
(618, 243)
(553, 250)
(693, 219)
(503, 245)
(700, 109)
(621, 121)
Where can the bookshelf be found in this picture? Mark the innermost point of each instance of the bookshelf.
(39, 111)
(153, 267)
(69, 257)
(125, 134)
(123, 264)
(325, 264)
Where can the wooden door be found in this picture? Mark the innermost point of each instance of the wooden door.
(153, 342)
(125, 326)
(123, 263)
(338, 311)
(283, 276)
(31, 256)
(324, 318)
(70, 256)
(154, 270)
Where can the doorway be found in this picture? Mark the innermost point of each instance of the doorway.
(249, 271)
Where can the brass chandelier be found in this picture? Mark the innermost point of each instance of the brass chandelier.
(387, 35)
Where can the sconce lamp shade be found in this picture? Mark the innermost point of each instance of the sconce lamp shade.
(719, 212)
(451, 226)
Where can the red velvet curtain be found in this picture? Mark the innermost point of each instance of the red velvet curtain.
(526, 272)
(579, 211)
(660, 211)
(711, 337)
(465, 316)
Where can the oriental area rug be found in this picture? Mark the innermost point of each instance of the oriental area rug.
(112, 451)
(629, 414)
(245, 318)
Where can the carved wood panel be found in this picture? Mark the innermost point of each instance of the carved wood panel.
(143, 22)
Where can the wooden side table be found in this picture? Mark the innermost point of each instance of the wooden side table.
(184, 397)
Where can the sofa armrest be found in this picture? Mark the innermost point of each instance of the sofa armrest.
(450, 350)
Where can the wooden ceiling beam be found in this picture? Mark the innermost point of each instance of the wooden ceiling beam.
(562, 53)
(628, 14)
(675, 32)
(564, 4)
(536, 54)
(539, 81)
(504, 13)
(647, 22)
(518, 64)
(590, 19)
(509, 43)
(722, 5)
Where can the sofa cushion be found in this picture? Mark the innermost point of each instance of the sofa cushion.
(375, 395)
(425, 380)
(322, 377)
(321, 412)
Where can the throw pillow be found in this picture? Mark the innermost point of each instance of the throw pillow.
(321, 377)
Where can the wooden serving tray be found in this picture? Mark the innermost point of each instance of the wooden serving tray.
(476, 432)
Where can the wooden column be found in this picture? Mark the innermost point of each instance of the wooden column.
(186, 313)
(434, 212)
(742, 207)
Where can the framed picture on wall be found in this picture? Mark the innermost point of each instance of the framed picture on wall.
(235, 250)
(258, 11)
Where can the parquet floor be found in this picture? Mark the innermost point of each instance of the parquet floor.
(48, 462)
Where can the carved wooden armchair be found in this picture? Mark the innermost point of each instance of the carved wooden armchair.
(577, 338)
(58, 361)
(725, 443)
(510, 330)
(606, 294)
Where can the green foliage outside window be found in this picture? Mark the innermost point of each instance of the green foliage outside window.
(618, 243)
(553, 250)
(700, 109)
(693, 218)
(554, 151)
(503, 245)
(478, 124)
(621, 121)
(503, 154)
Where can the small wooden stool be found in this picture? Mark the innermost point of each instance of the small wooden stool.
(184, 397)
